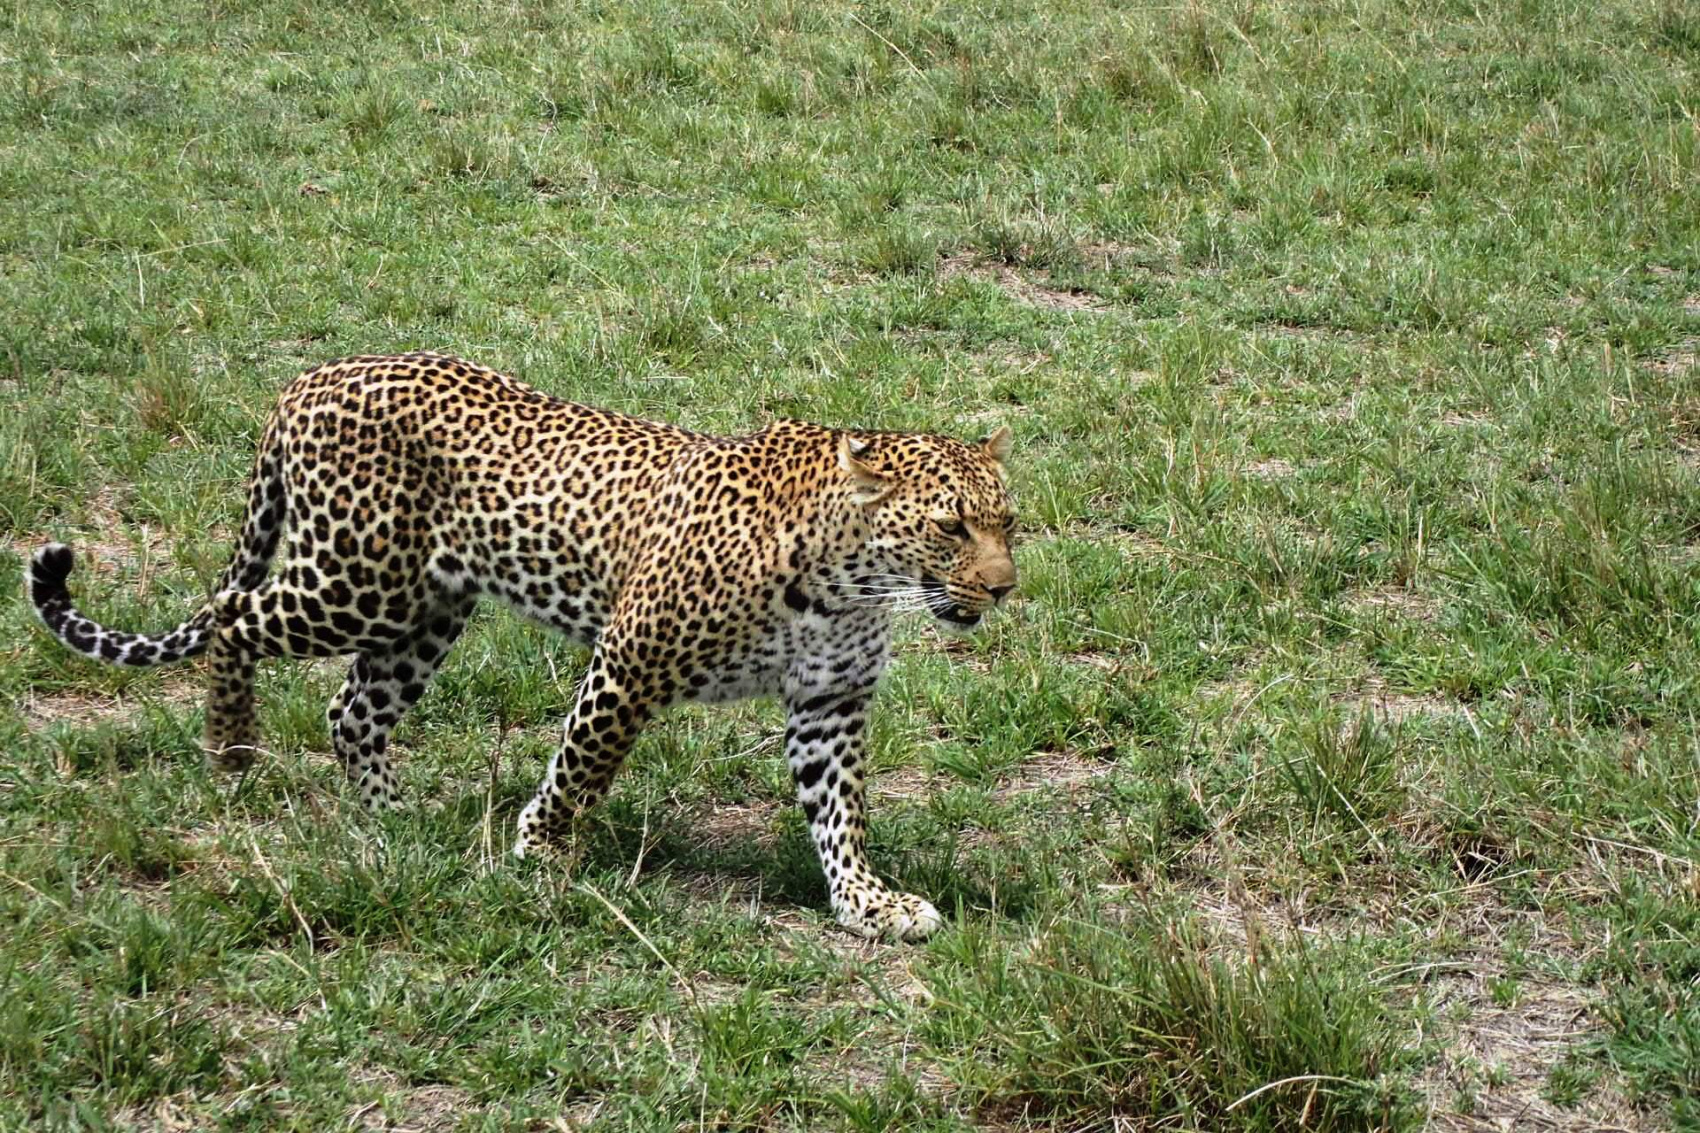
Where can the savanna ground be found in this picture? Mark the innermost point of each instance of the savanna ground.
(1337, 768)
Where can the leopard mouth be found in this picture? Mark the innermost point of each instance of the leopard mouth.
(947, 609)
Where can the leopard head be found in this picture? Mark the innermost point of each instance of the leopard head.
(940, 518)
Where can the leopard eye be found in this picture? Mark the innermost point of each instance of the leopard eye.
(952, 527)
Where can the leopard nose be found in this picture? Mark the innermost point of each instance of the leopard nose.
(998, 593)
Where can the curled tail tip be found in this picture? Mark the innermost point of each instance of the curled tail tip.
(50, 567)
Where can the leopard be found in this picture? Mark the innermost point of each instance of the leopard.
(695, 568)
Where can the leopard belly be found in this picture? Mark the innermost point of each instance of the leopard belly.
(813, 654)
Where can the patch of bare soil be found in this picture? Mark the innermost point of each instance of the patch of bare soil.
(1309, 332)
(1104, 663)
(719, 825)
(1346, 410)
(1067, 771)
(250, 1023)
(1395, 600)
(870, 975)
(1130, 542)
(412, 1109)
(1271, 469)
(1009, 360)
(1686, 555)
(1678, 360)
(961, 649)
(162, 1115)
(1508, 1032)
(1239, 690)
(1133, 542)
(1685, 433)
(1069, 775)
(871, 1060)
(1060, 770)
(1032, 290)
(1503, 1031)
(115, 543)
(1458, 420)
(908, 782)
(1241, 919)
(86, 709)
(1394, 707)
(1107, 254)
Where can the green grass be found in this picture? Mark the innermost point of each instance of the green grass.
(1336, 768)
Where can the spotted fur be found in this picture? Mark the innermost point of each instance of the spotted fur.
(699, 567)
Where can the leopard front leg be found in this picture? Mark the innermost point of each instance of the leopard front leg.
(824, 744)
(607, 715)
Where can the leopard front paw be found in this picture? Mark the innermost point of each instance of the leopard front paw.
(232, 756)
(883, 913)
(540, 839)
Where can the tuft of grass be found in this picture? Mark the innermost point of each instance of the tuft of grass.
(900, 250)
(1346, 768)
(1089, 1025)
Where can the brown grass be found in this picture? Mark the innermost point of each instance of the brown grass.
(1032, 288)
(1500, 1050)
(1395, 600)
(86, 709)
(1391, 706)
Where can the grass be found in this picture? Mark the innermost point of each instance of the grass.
(1335, 770)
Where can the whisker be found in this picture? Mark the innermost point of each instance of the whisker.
(880, 589)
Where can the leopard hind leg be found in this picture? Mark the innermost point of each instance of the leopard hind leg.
(282, 617)
(381, 686)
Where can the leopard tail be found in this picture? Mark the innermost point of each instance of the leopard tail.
(50, 567)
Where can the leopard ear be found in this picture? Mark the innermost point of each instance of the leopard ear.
(997, 445)
(867, 486)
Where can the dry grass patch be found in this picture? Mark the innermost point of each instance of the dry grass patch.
(90, 709)
(114, 543)
(1106, 664)
(1271, 469)
(872, 976)
(1504, 1033)
(1057, 770)
(162, 1115)
(1309, 332)
(1008, 360)
(1393, 707)
(1507, 1033)
(1457, 420)
(1242, 919)
(249, 1023)
(409, 1108)
(719, 825)
(1030, 289)
(1678, 360)
(85, 709)
(1395, 600)
(909, 782)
